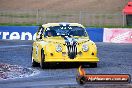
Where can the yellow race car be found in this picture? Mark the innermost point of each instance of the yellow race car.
(63, 43)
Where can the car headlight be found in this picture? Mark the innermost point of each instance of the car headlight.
(85, 47)
(58, 48)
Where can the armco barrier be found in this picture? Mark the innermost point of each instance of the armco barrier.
(28, 33)
(18, 32)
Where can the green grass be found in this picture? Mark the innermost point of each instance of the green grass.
(18, 16)
(109, 26)
(34, 24)
(18, 24)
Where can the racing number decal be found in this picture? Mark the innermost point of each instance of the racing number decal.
(36, 51)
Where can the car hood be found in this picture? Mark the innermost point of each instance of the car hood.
(66, 39)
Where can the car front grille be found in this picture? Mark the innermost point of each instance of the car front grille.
(72, 49)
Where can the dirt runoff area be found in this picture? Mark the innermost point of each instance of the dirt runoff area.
(65, 5)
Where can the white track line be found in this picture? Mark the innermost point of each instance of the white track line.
(14, 46)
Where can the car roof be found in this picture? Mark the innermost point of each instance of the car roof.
(64, 24)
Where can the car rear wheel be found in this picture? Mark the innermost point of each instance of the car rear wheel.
(34, 63)
(42, 63)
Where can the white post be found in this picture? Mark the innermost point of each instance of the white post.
(124, 19)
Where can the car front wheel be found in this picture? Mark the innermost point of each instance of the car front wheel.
(34, 63)
(42, 63)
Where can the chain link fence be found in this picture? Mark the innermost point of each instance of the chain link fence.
(43, 16)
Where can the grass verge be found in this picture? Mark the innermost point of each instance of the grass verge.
(34, 24)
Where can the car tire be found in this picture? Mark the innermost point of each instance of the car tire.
(93, 65)
(42, 63)
(34, 63)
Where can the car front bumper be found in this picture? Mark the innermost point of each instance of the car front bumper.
(84, 59)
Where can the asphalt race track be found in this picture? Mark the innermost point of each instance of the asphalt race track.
(114, 59)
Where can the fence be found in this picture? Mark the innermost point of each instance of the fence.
(43, 16)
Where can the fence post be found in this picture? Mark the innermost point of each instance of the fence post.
(13, 17)
(37, 17)
(80, 17)
(45, 20)
(88, 17)
(124, 19)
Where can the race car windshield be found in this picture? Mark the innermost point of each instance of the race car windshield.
(65, 31)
